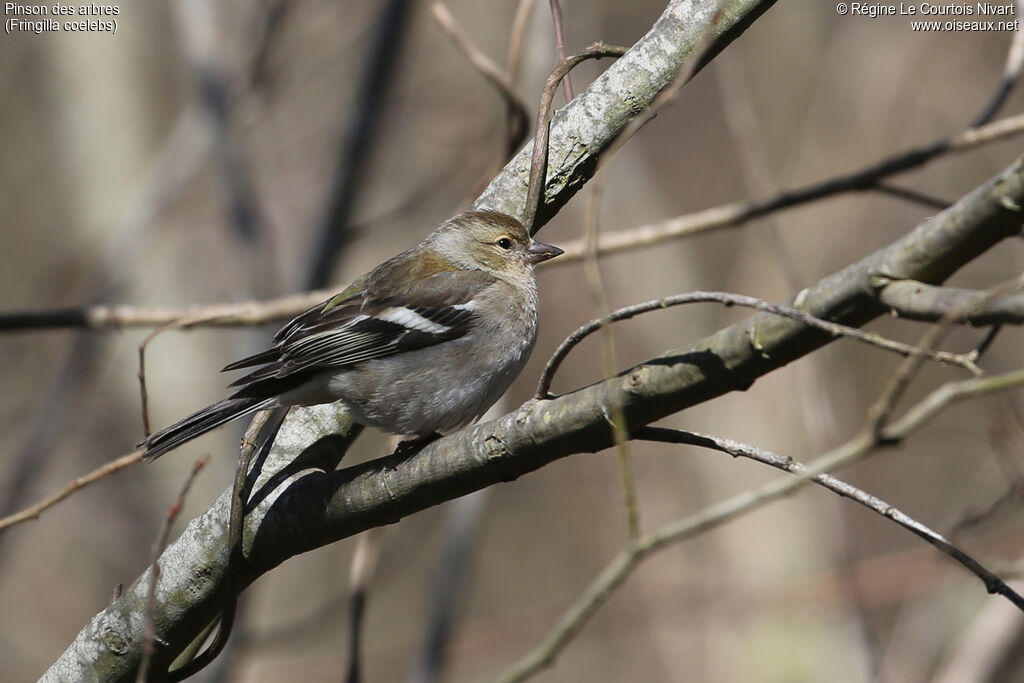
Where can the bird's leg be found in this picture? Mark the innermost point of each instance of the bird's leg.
(414, 445)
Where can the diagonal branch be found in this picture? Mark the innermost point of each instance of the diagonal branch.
(585, 127)
(108, 316)
(308, 506)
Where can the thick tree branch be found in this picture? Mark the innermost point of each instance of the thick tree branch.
(309, 505)
(919, 301)
(585, 127)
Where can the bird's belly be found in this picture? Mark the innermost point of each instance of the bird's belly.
(427, 391)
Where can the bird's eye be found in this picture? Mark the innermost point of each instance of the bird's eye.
(504, 243)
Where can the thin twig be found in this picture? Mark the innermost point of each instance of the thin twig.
(878, 414)
(494, 74)
(180, 323)
(234, 564)
(835, 485)
(149, 633)
(1011, 73)
(143, 393)
(737, 213)
(913, 196)
(556, 20)
(539, 160)
(619, 569)
(517, 116)
(617, 418)
(33, 511)
(256, 312)
(729, 299)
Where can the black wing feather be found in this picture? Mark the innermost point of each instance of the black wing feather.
(344, 331)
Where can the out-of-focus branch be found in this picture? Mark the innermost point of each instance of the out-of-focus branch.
(581, 130)
(42, 506)
(1011, 74)
(494, 74)
(198, 29)
(357, 141)
(114, 317)
(737, 213)
(620, 568)
(259, 312)
(556, 20)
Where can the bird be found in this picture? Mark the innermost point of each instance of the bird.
(421, 345)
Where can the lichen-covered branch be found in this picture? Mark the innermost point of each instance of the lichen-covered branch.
(309, 504)
(582, 129)
(301, 502)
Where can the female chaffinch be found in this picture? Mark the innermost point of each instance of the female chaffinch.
(426, 342)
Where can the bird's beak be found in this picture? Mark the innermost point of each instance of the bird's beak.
(538, 251)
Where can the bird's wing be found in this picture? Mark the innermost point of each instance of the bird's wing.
(373, 321)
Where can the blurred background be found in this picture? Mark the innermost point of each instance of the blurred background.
(190, 158)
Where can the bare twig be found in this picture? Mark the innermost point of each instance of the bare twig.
(515, 39)
(539, 160)
(361, 574)
(179, 323)
(880, 411)
(556, 20)
(737, 213)
(504, 83)
(728, 299)
(494, 74)
(617, 419)
(32, 512)
(619, 569)
(913, 196)
(149, 639)
(833, 484)
(143, 393)
(107, 316)
(358, 139)
(1011, 72)
(234, 564)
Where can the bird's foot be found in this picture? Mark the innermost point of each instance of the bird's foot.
(410, 446)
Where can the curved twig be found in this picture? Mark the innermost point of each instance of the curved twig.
(539, 160)
(728, 299)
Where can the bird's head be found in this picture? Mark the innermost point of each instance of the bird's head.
(491, 241)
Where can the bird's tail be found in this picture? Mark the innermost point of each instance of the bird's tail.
(199, 423)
